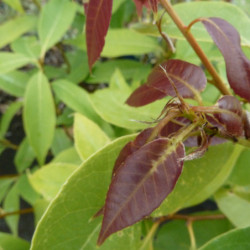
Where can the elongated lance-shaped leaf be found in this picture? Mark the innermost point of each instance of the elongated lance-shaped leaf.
(154, 5)
(141, 184)
(227, 39)
(187, 78)
(139, 5)
(98, 19)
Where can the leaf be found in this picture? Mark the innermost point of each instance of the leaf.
(141, 184)
(236, 208)
(97, 23)
(174, 234)
(235, 239)
(88, 136)
(48, 180)
(54, 21)
(15, 4)
(227, 39)
(69, 155)
(8, 116)
(11, 61)
(4, 187)
(154, 5)
(187, 79)
(75, 97)
(139, 5)
(60, 142)
(14, 28)
(77, 202)
(201, 178)
(39, 115)
(11, 204)
(8, 241)
(24, 156)
(14, 83)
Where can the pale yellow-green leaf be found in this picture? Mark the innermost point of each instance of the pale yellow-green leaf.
(15, 4)
(88, 136)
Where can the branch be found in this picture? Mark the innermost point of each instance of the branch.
(23, 211)
(190, 38)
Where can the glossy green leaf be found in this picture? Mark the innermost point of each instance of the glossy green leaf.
(235, 239)
(88, 136)
(174, 235)
(236, 208)
(241, 173)
(60, 142)
(54, 21)
(8, 116)
(69, 155)
(12, 204)
(68, 222)
(8, 242)
(39, 115)
(14, 82)
(48, 180)
(130, 69)
(14, 28)
(11, 61)
(201, 178)
(24, 156)
(28, 46)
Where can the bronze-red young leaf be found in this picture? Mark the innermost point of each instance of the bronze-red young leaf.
(227, 39)
(186, 77)
(97, 23)
(141, 184)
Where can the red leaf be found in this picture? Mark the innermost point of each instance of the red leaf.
(186, 77)
(141, 184)
(98, 19)
(139, 5)
(227, 39)
(154, 5)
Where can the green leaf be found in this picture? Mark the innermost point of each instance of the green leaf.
(8, 242)
(78, 66)
(11, 61)
(174, 235)
(54, 21)
(11, 204)
(75, 97)
(14, 28)
(241, 173)
(14, 83)
(68, 221)
(88, 136)
(116, 5)
(39, 115)
(28, 46)
(235, 239)
(122, 42)
(4, 187)
(201, 178)
(60, 142)
(236, 208)
(39, 208)
(48, 180)
(69, 155)
(8, 116)
(123, 115)
(130, 69)
(24, 156)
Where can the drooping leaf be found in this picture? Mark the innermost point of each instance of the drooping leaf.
(154, 5)
(139, 5)
(186, 77)
(227, 39)
(56, 17)
(235, 239)
(141, 184)
(39, 115)
(8, 241)
(98, 19)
